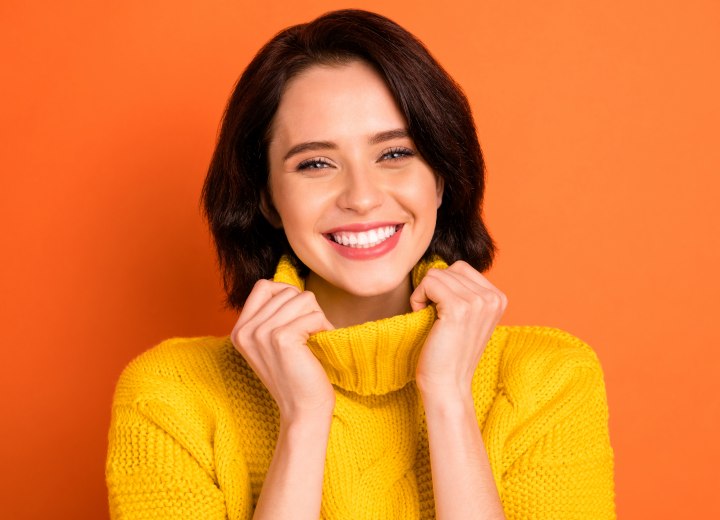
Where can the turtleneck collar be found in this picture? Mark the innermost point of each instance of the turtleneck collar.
(376, 357)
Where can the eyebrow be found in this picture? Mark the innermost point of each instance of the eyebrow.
(378, 138)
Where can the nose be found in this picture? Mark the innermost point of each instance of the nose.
(361, 191)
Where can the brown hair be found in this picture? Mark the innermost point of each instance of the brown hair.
(439, 122)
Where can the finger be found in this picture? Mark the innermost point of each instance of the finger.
(432, 288)
(262, 292)
(297, 331)
(468, 271)
(278, 338)
(454, 295)
(475, 281)
(246, 325)
(461, 271)
(274, 315)
(470, 283)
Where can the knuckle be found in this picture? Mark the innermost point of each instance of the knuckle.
(433, 273)
(318, 316)
(306, 295)
(308, 299)
(235, 337)
(240, 338)
(260, 332)
(496, 300)
(461, 266)
(262, 284)
(461, 309)
(281, 336)
(288, 292)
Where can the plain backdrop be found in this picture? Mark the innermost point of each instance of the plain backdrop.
(599, 120)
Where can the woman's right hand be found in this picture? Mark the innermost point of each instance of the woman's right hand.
(271, 334)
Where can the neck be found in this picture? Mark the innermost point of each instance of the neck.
(343, 309)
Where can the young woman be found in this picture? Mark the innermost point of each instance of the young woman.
(366, 376)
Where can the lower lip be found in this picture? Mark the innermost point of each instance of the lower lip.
(367, 253)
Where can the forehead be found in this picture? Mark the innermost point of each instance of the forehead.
(335, 101)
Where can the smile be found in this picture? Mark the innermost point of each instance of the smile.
(363, 239)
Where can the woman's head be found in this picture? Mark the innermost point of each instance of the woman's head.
(438, 122)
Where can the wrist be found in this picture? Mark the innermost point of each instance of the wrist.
(307, 420)
(304, 412)
(448, 402)
(445, 389)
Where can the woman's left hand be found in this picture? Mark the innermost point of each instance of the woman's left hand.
(468, 309)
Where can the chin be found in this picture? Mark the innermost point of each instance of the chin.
(367, 285)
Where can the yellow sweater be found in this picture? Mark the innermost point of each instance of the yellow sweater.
(193, 429)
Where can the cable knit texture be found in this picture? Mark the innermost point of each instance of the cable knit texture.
(193, 429)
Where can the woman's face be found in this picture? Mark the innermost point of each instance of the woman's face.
(356, 201)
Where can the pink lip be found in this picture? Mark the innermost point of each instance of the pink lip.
(367, 253)
(360, 226)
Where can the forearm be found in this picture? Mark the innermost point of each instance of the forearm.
(463, 483)
(293, 484)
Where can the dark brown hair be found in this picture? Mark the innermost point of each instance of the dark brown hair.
(439, 122)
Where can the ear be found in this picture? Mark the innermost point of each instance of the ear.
(268, 210)
(439, 188)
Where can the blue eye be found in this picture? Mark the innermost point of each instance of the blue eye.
(313, 164)
(397, 153)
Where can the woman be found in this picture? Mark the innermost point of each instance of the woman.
(365, 377)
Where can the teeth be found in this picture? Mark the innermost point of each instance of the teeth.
(364, 239)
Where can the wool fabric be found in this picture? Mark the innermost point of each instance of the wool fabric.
(193, 429)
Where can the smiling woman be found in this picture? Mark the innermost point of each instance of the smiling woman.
(356, 200)
(366, 376)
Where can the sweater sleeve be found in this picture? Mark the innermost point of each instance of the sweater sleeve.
(558, 462)
(162, 456)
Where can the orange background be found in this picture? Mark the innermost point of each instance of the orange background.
(599, 120)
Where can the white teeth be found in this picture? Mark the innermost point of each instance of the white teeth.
(364, 239)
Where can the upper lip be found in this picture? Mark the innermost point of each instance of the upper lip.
(360, 226)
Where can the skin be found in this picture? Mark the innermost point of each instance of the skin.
(361, 169)
(349, 180)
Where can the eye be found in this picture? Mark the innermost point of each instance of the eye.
(396, 154)
(316, 163)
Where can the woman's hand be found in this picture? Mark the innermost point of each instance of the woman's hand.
(468, 308)
(271, 334)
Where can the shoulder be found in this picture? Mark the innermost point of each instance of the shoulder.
(178, 365)
(537, 364)
(547, 430)
(174, 357)
(171, 424)
(543, 345)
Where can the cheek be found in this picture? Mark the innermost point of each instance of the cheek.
(422, 198)
(300, 208)
(285, 199)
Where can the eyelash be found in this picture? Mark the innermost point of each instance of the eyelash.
(404, 152)
(311, 164)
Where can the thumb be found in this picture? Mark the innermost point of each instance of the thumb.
(419, 298)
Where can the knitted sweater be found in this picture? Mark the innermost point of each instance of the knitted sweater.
(193, 428)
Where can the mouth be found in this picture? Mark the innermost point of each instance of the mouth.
(363, 239)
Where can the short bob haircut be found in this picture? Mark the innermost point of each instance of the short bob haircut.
(439, 123)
